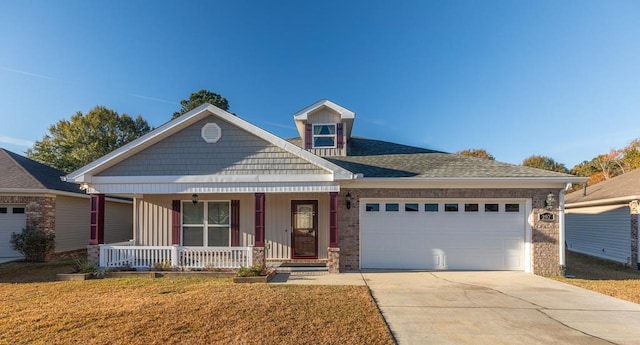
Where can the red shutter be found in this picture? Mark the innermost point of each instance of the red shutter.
(333, 220)
(175, 222)
(339, 135)
(258, 235)
(96, 222)
(308, 136)
(235, 223)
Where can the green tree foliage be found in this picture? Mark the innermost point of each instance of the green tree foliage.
(544, 162)
(200, 97)
(479, 153)
(71, 144)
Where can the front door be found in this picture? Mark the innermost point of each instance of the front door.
(304, 225)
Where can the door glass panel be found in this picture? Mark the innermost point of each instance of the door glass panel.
(218, 213)
(192, 236)
(304, 217)
(192, 214)
(218, 237)
(304, 231)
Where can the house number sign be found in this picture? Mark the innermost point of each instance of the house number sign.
(547, 217)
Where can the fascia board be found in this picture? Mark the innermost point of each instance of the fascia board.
(505, 182)
(213, 178)
(602, 202)
(51, 192)
(304, 113)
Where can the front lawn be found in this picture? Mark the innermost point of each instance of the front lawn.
(196, 311)
(603, 276)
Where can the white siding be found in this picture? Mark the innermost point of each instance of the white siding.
(278, 223)
(603, 231)
(72, 223)
(118, 222)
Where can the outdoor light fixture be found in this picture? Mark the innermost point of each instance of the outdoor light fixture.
(347, 199)
(550, 202)
(194, 198)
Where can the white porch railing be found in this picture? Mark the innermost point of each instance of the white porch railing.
(126, 255)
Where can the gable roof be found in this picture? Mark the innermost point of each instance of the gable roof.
(620, 189)
(18, 172)
(84, 173)
(381, 159)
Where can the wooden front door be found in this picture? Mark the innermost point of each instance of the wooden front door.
(304, 225)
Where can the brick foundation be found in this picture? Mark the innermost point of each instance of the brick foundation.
(545, 250)
(634, 210)
(259, 257)
(333, 264)
(93, 254)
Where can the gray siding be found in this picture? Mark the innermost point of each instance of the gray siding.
(327, 115)
(72, 223)
(603, 231)
(236, 153)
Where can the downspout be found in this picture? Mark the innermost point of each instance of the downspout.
(561, 237)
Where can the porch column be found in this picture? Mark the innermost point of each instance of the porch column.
(333, 264)
(259, 256)
(96, 228)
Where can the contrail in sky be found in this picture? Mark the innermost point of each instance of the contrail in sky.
(25, 73)
(153, 99)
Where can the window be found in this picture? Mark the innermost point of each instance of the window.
(471, 207)
(411, 207)
(392, 207)
(431, 207)
(17, 210)
(491, 207)
(451, 207)
(3, 210)
(512, 208)
(372, 207)
(324, 135)
(206, 223)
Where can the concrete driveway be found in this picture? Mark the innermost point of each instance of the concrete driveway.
(499, 308)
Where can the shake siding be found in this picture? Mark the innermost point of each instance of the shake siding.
(237, 152)
(278, 224)
(153, 212)
(603, 231)
(72, 223)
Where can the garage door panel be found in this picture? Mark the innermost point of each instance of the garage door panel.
(12, 219)
(443, 240)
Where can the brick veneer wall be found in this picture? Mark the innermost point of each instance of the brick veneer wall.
(40, 210)
(545, 250)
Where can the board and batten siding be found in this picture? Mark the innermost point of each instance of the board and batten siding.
(278, 223)
(326, 115)
(152, 220)
(236, 153)
(601, 231)
(118, 222)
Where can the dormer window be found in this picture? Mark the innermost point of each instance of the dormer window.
(324, 135)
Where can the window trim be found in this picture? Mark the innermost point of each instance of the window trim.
(205, 223)
(314, 135)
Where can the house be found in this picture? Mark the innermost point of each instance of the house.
(210, 188)
(32, 193)
(602, 220)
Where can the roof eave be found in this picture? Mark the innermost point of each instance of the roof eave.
(604, 202)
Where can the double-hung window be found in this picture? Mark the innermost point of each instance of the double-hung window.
(324, 135)
(206, 223)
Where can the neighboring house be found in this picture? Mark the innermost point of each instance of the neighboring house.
(210, 183)
(31, 192)
(602, 220)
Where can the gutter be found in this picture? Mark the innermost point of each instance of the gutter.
(604, 202)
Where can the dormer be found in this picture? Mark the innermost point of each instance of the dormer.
(325, 128)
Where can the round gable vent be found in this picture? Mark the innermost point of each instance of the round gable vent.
(211, 133)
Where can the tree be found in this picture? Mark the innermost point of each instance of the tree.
(71, 144)
(479, 153)
(200, 97)
(546, 163)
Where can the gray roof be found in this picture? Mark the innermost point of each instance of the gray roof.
(625, 185)
(17, 171)
(376, 158)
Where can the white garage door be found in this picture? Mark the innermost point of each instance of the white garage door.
(444, 235)
(12, 219)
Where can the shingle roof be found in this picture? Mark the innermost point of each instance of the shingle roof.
(375, 158)
(17, 171)
(618, 187)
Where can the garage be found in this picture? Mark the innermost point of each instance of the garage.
(443, 234)
(12, 219)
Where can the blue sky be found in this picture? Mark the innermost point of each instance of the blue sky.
(556, 78)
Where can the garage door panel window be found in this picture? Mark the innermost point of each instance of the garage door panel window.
(512, 207)
(451, 207)
(392, 207)
(491, 207)
(411, 207)
(431, 207)
(3, 210)
(471, 207)
(18, 210)
(372, 207)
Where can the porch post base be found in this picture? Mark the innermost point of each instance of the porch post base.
(333, 264)
(93, 254)
(259, 257)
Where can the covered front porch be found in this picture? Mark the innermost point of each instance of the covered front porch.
(211, 231)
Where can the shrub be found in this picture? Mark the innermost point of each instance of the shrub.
(162, 266)
(36, 245)
(81, 265)
(253, 271)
